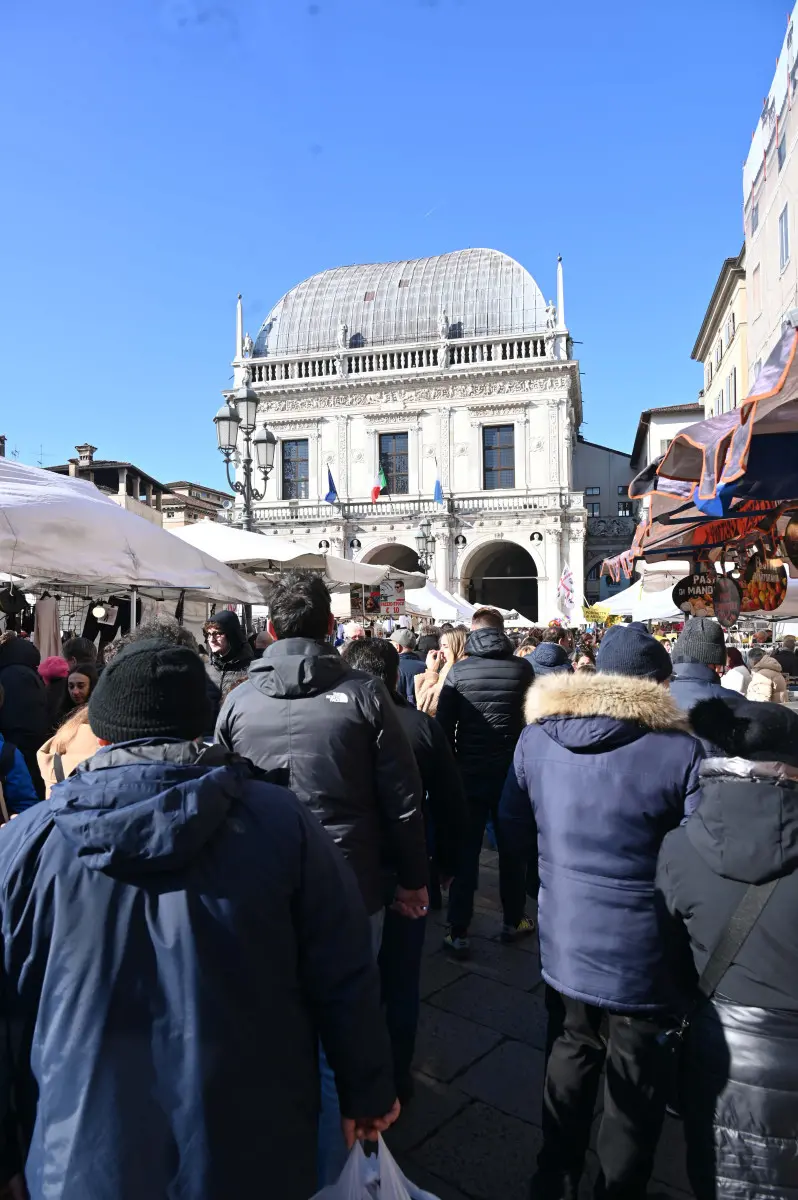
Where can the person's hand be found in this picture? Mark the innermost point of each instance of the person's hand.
(413, 904)
(434, 660)
(364, 1129)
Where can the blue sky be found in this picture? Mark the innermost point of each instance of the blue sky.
(159, 156)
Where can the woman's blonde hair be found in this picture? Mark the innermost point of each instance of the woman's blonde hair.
(456, 639)
(69, 727)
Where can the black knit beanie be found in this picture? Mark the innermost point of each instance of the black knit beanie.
(701, 641)
(152, 689)
(630, 650)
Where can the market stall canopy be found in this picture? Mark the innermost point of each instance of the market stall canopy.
(270, 553)
(441, 606)
(58, 531)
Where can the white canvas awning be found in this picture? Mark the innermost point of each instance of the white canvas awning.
(268, 553)
(55, 530)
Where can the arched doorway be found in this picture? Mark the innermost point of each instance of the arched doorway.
(505, 575)
(393, 555)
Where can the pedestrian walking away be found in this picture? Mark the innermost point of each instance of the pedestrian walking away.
(446, 816)
(480, 707)
(604, 770)
(24, 717)
(178, 932)
(411, 664)
(334, 736)
(740, 1095)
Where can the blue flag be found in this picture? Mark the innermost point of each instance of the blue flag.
(438, 493)
(332, 493)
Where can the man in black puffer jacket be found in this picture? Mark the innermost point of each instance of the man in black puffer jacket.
(481, 708)
(741, 1055)
(335, 735)
(24, 719)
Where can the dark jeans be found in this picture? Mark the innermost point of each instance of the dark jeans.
(400, 969)
(483, 802)
(582, 1039)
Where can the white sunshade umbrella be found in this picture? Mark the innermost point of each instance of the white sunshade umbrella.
(55, 530)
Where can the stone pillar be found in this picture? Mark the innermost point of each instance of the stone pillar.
(148, 490)
(123, 481)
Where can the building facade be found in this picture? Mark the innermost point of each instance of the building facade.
(450, 370)
(185, 502)
(770, 198)
(722, 343)
(603, 475)
(123, 482)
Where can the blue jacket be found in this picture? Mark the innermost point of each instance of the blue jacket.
(410, 665)
(177, 933)
(603, 772)
(693, 682)
(18, 790)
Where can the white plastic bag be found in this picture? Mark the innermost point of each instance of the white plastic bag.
(374, 1178)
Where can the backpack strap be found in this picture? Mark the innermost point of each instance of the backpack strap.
(58, 768)
(731, 942)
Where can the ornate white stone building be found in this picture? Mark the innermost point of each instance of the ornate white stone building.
(451, 368)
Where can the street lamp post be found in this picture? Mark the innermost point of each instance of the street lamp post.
(239, 416)
(425, 545)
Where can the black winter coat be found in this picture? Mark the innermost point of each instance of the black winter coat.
(693, 682)
(742, 1060)
(177, 935)
(481, 708)
(445, 801)
(335, 733)
(225, 673)
(24, 716)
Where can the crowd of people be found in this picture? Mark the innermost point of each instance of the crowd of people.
(216, 888)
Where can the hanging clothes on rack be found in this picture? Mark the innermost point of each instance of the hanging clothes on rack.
(47, 627)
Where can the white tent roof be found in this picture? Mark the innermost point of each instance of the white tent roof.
(56, 530)
(267, 552)
(440, 605)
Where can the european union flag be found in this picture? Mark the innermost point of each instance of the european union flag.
(332, 490)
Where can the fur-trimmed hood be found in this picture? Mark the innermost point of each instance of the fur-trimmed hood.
(617, 697)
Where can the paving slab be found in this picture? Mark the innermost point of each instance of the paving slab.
(438, 971)
(518, 1014)
(422, 1178)
(503, 964)
(433, 1104)
(484, 1153)
(447, 1045)
(510, 1078)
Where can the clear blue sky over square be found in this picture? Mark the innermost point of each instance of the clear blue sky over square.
(159, 156)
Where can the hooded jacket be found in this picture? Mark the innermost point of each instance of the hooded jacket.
(605, 769)
(767, 682)
(177, 934)
(742, 1059)
(24, 718)
(693, 682)
(481, 705)
(335, 734)
(226, 671)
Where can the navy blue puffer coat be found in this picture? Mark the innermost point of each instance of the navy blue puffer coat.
(605, 769)
(177, 934)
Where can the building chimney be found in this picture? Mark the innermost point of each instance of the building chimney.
(2, 445)
(86, 454)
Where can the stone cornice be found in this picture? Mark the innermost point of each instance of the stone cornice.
(418, 391)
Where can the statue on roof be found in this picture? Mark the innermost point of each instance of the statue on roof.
(443, 325)
(343, 336)
(551, 315)
(248, 346)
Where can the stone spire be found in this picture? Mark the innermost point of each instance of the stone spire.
(560, 295)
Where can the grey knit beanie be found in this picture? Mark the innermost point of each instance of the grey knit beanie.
(701, 641)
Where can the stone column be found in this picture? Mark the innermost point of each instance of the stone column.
(122, 481)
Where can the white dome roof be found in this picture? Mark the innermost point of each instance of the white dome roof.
(483, 293)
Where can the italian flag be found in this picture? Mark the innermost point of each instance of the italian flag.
(380, 482)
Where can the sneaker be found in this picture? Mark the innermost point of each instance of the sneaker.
(457, 943)
(514, 933)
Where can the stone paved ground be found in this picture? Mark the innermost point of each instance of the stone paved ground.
(473, 1130)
